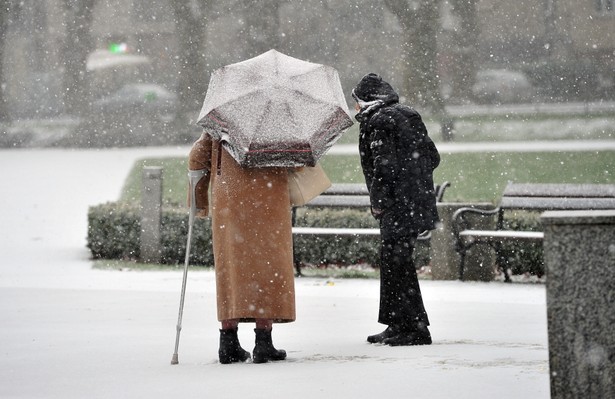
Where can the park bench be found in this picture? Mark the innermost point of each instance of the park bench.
(347, 195)
(525, 197)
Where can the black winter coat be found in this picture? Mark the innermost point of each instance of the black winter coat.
(398, 158)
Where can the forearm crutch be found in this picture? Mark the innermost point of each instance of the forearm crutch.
(194, 176)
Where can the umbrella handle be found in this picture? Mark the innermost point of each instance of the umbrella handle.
(194, 176)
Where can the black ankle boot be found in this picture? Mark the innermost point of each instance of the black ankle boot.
(230, 350)
(390, 332)
(417, 335)
(264, 350)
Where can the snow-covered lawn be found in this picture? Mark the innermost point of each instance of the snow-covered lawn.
(70, 331)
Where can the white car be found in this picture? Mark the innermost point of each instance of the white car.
(143, 99)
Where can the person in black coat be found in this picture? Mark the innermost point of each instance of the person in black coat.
(398, 159)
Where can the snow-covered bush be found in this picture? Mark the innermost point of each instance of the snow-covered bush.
(114, 233)
(335, 250)
(343, 251)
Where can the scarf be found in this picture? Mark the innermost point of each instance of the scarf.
(367, 108)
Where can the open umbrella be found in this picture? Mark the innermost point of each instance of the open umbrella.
(275, 111)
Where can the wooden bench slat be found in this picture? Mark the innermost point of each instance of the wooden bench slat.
(327, 231)
(347, 189)
(334, 231)
(340, 201)
(502, 235)
(559, 190)
(545, 203)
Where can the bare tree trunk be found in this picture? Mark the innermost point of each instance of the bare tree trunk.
(420, 24)
(191, 24)
(4, 22)
(38, 26)
(79, 14)
(428, 26)
(465, 51)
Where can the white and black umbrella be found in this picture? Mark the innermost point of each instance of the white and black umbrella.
(275, 111)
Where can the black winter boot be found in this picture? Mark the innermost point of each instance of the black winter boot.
(230, 350)
(390, 332)
(417, 335)
(264, 350)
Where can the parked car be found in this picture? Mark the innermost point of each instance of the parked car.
(137, 100)
(493, 86)
(135, 114)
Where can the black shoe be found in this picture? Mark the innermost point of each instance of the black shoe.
(390, 332)
(230, 350)
(418, 336)
(264, 350)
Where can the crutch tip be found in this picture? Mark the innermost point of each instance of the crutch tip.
(175, 359)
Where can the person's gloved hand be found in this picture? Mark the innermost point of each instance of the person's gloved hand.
(377, 213)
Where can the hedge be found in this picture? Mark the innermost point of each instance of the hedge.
(524, 257)
(114, 233)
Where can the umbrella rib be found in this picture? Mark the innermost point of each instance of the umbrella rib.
(266, 111)
(312, 98)
(226, 101)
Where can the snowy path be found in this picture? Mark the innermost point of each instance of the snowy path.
(69, 331)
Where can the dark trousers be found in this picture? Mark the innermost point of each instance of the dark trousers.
(401, 303)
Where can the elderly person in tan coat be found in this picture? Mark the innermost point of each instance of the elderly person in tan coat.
(252, 242)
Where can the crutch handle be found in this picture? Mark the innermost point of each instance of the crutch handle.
(194, 177)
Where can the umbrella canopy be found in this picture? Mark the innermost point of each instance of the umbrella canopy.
(275, 111)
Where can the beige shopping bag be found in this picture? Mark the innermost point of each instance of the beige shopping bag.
(306, 184)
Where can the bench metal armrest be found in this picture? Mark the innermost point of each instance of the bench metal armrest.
(460, 223)
(440, 190)
(424, 236)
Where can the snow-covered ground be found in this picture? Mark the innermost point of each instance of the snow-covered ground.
(70, 331)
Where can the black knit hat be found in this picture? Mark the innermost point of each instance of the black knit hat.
(371, 87)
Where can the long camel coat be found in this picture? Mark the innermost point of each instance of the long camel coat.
(251, 230)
